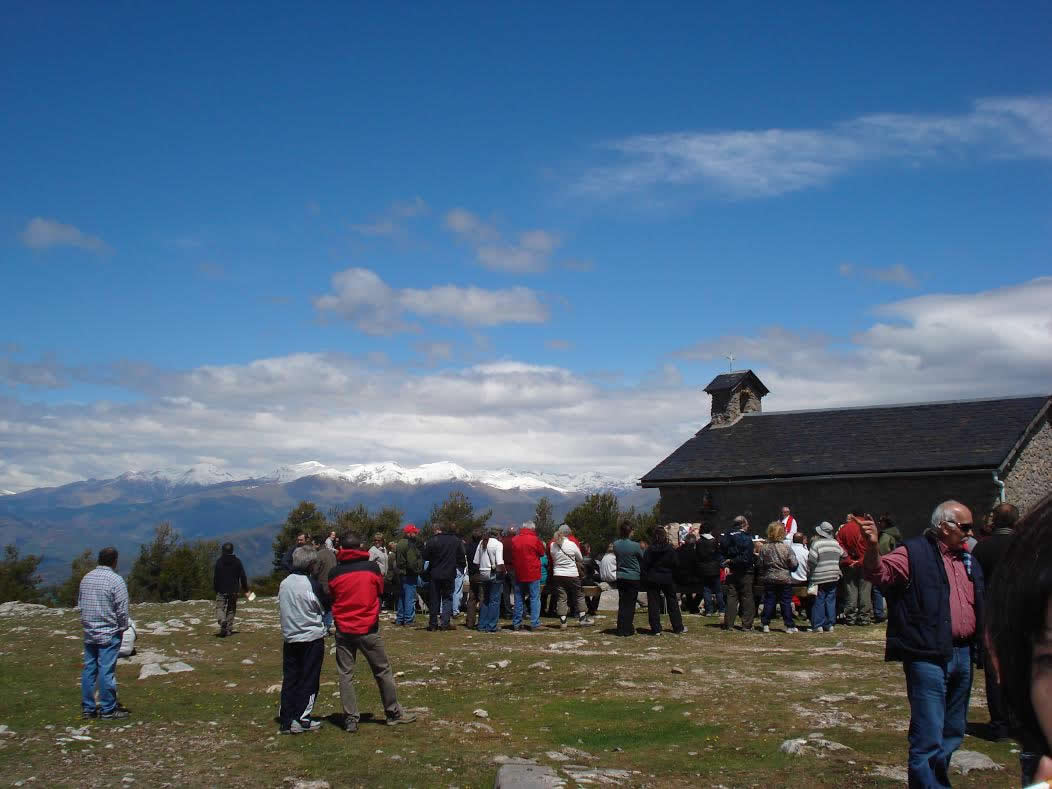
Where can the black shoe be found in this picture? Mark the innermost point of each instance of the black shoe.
(349, 726)
(448, 627)
(114, 714)
(432, 628)
(86, 715)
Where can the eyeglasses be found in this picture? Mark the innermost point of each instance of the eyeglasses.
(959, 525)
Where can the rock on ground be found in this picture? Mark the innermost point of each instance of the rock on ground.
(966, 761)
(892, 772)
(810, 745)
(526, 774)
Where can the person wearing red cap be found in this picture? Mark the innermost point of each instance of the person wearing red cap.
(409, 560)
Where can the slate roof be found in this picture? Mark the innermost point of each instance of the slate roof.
(974, 434)
(731, 381)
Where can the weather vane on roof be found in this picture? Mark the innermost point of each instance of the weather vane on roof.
(730, 362)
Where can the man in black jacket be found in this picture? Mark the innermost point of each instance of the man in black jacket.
(988, 553)
(444, 553)
(228, 580)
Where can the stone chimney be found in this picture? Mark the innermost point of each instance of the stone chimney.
(734, 395)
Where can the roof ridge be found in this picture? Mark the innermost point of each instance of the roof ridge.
(759, 414)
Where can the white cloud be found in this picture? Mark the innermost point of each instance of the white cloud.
(40, 233)
(343, 409)
(895, 274)
(770, 162)
(360, 296)
(531, 251)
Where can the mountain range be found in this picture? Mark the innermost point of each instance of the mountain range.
(205, 502)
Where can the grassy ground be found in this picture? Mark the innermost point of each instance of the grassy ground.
(597, 700)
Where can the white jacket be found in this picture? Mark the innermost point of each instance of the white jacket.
(488, 556)
(301, 610)
(566, 556)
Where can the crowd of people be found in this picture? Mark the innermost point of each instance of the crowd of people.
(953, 597)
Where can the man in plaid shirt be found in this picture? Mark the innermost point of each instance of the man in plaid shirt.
(103, 604)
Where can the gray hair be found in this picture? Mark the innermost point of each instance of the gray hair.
(303, 557)
(563, 530)
(529, 525)
(945, 512)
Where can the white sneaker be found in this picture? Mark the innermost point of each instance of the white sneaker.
(766, 629)
(586, 620)
(299, 728)
(792, 630)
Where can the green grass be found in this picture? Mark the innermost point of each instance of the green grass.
(719, 723)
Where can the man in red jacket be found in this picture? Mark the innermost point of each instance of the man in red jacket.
(858, 600)
(526, 554)
(356, 586)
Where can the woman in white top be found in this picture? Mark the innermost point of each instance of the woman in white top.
(565, 556)
(489, 556)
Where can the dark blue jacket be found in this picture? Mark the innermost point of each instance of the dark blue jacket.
(919, 612)
(736, 548)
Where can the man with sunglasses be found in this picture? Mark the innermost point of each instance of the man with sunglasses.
(935, 612)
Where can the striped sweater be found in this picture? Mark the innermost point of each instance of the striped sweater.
(823, 561)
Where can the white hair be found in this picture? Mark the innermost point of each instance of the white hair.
(563, 530)
(529, 525)
(303, 557)
(945, 512)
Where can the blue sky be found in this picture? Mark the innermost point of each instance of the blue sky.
(253, 234)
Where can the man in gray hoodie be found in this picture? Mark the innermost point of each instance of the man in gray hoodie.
(302, 604)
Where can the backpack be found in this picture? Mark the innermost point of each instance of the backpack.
(736, 548)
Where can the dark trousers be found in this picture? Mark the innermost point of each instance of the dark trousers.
(471, 608)
(995, 701)
(300, 677)
(691, 601)
(627, 594)
(739, 594)
(441, 601)
(783, 594)
(655, 593)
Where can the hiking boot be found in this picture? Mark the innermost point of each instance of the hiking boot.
(405, 717)
(350, 726)
(89, 715)
(562, 622)
(298, 728)
(585, 621)
(114, 714)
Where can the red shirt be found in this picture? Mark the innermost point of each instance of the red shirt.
(894, 568)
(853, 542)
(526, 553)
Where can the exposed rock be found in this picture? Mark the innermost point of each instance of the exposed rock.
(557, 756)
(810, 745)
(965, 761)
(15, 608)
(480, 713)
(678, 670)
(577, 753)
(503, 663)
(307, 784)
(657, 708)
(566, 646)
(541, 665)
(599, 775)
(178, 666)
(274, 688)
(892, 772)
(248, 662)
(526, 774)
(4, 731)
(151, 670)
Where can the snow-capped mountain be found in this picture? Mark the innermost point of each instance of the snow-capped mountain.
(201, 475)
(7, 493)
(503, 479)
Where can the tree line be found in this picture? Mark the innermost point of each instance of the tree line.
(171, 568)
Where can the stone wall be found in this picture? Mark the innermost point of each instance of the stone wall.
(1030, 478)
(728, 406)
(909, 499)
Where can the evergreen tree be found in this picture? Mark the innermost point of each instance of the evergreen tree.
(594, 520)
(18, 578)
(66, 593)
(304, 517)
(543, 519)
(458, 510)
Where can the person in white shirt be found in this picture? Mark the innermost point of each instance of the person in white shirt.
(799, 575)
(789, 522)
(565, 556)
(378, 553)
(608, 569)
(489, 556)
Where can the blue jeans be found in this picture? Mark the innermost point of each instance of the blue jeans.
(490, 613)
(938, 694)
(406, 610)
(785, 594)
(100, 664)
(458, 591)
(878, 603)
(533, 589)
(712, 592)
(823, 612)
